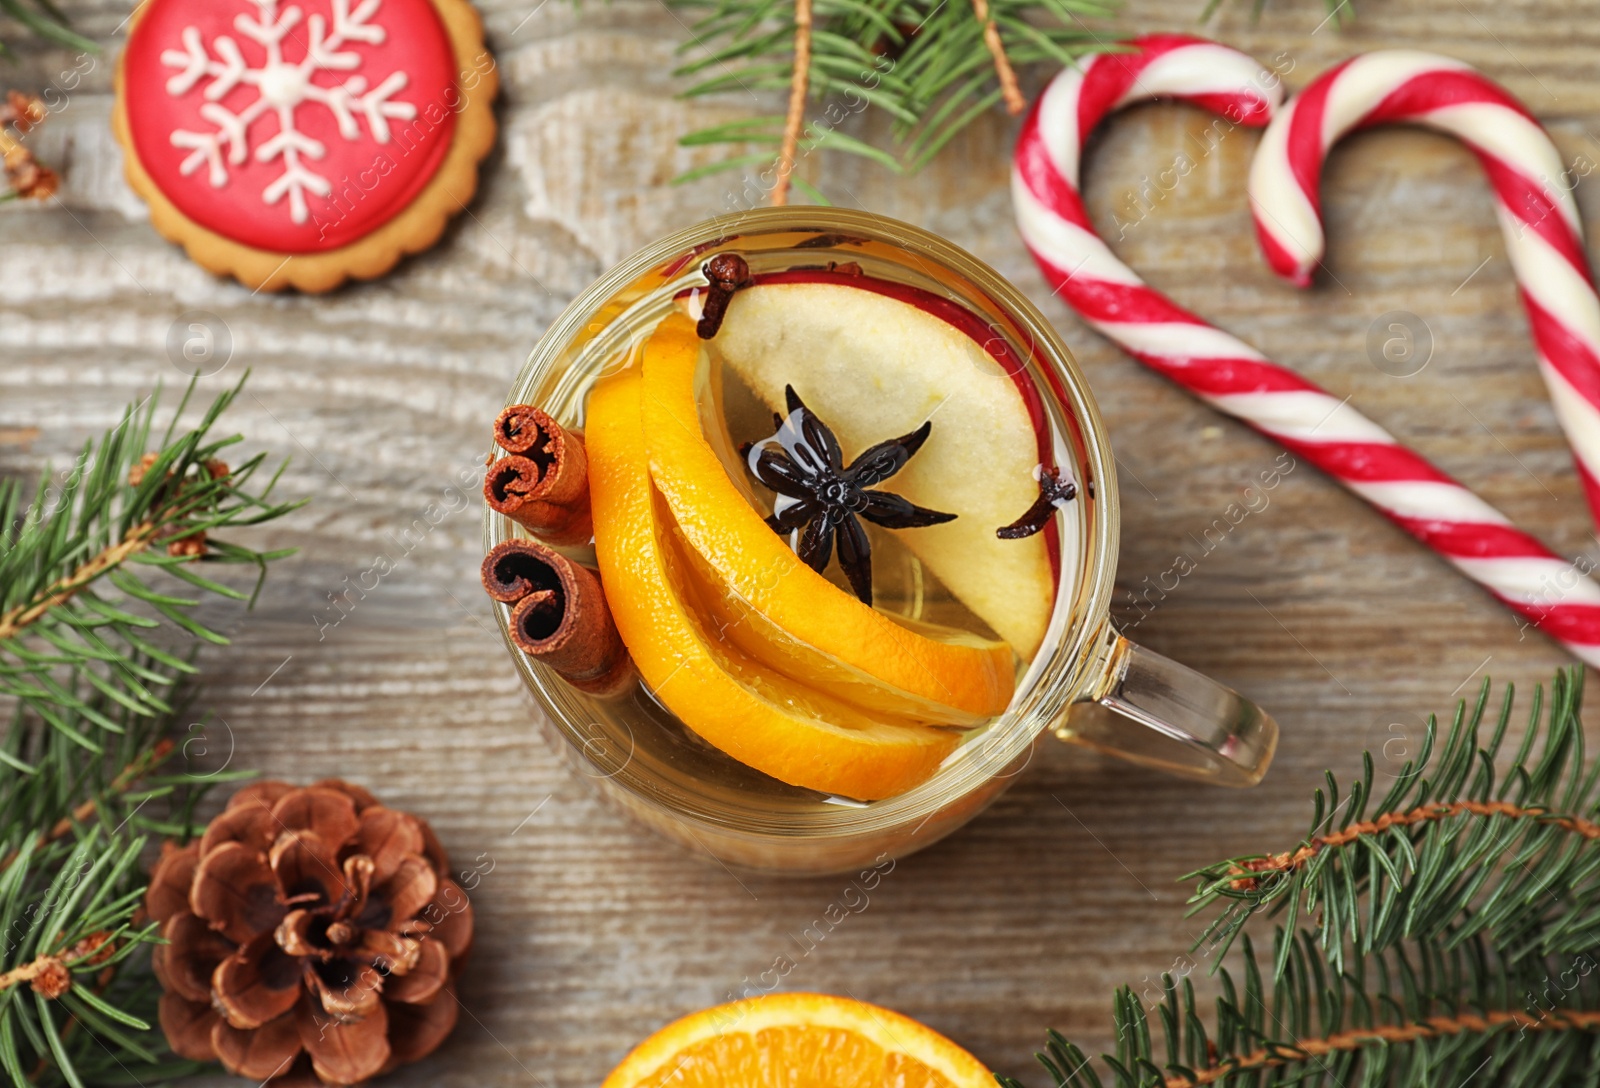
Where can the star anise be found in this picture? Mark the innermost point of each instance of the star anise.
(819, 494)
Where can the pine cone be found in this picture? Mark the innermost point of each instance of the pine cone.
(313, 936)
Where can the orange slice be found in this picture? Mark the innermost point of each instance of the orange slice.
(759, 717)
(813, 629)
(734, 621)
(798, 1041)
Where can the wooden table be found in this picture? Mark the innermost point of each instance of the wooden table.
(593, 933)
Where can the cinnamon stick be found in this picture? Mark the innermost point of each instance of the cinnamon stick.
(560, 615)
(521, 428)
(544, 484)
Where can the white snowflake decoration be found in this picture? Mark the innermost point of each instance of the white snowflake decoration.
(282, 88)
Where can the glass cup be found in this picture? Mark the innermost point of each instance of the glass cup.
(1087, 684)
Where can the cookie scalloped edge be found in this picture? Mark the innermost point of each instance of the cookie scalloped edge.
(413, 229)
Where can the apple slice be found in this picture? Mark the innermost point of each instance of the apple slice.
(875, 358)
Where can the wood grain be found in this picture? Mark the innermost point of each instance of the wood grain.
(592, 933)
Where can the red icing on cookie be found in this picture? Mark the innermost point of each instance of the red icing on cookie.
(296, 126)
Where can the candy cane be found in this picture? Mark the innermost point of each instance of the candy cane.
(1538, 214)
(1230, 375)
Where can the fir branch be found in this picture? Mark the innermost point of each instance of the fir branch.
(45, 19)
(143, 764)
(1453, 850)
(50, 973)
(929, 66)
(133, 541)
(83, 788)
(1007, 77)
(1404, 1019)
(69, 594)
(1248, 873)
(77, 1002)
(794, 119)
(1450, 936)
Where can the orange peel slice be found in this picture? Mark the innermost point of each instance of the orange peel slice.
(798, 1041)
(799, 622)
(758, 716)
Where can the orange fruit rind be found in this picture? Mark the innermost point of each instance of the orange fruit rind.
(758, 716)
(813, 630)
(798, 1040)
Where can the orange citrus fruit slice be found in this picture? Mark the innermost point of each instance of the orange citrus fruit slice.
(813, 630)
(759, 717)
(737, 623)
(798, 1041)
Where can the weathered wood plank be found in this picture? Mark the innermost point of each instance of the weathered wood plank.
(591, 933)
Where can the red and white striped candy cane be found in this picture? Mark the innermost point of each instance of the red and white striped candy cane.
(1230, 375)
(1538, 214)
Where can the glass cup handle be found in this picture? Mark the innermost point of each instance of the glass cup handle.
(1150, 710)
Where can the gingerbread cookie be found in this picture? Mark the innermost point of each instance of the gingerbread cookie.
(297, 143)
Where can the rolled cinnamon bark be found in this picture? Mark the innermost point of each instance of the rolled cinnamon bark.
(544, 484)
(522, 427)
(560, 616)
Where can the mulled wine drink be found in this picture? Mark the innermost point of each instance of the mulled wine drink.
(852, 516)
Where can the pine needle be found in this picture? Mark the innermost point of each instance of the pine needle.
(1409, 1018)
(794, 119)
(931, 66)
(46, 20)
(1003, 71)
(1433, 858)
(82, 788)
(1451, 931)
(73, 594)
